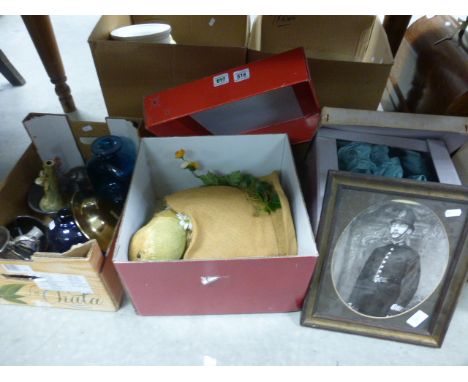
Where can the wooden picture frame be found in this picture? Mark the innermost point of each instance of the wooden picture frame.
(393, 258)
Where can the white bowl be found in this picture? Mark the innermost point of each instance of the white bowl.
(153, 32)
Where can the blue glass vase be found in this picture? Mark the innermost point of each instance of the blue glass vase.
(63, 232)
(110, 168)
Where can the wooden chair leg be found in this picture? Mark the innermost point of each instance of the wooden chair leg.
(9, 71)
(42, 34)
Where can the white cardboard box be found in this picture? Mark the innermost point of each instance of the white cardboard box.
(249, 285)
(437, 135)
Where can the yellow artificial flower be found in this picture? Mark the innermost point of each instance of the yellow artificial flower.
(192, 166)
(180, 154)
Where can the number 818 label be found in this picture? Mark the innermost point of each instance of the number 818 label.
(241, 75)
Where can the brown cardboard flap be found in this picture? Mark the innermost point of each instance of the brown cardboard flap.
(85, 133)
(228, 31)
(130, 71)
(356, 85)
(378, 50)
(327, 37)
(349, 56)
(14, 193)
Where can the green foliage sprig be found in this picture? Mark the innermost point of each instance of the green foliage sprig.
(261, 192)
(8, 293)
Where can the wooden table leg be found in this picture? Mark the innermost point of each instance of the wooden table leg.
(9, 71)
(42, 34)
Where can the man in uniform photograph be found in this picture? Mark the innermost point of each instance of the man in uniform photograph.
(390, 276)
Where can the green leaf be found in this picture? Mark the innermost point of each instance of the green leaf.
(235, 178)
(8, 293)
(258, 190)
(223, 180)
(10, 289)
(209, 179)
(15, 299)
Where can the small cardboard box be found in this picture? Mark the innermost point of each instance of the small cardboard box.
(439, 136)
(349, 56)
(250, 285)
(129, 71)
(81, 278)
(274, 95)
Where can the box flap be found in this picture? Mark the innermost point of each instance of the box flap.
(71, 142)
(344, 38)
(452, 130)
(198, 30)
(62, 147)
(269, 93)
(378, 50)
(15, 188)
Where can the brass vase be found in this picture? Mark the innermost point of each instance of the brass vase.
(52, 200)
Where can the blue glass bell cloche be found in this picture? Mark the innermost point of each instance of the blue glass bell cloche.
(110, 168)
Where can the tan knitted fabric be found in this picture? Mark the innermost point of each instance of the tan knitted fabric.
(225, 224)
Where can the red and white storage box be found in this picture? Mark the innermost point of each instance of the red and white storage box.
(274, 95)
(438, 136)
(249, 285)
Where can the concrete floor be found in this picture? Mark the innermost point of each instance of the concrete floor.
(38, 94)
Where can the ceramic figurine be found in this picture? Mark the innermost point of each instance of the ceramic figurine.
(52, 200)
(110, 168)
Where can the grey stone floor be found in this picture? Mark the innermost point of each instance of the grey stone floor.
(38, 94)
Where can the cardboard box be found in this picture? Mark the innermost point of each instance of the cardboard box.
(274, 95)
(81, 278)
(438, 136)
(129, 71)
(349, 56)
(251, 285)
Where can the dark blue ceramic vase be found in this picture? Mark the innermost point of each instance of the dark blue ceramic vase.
(110, 168)
(63, 232)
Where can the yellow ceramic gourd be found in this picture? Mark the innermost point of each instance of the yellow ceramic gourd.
(163, 238)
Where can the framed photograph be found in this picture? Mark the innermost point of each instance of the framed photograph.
(393, 258)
